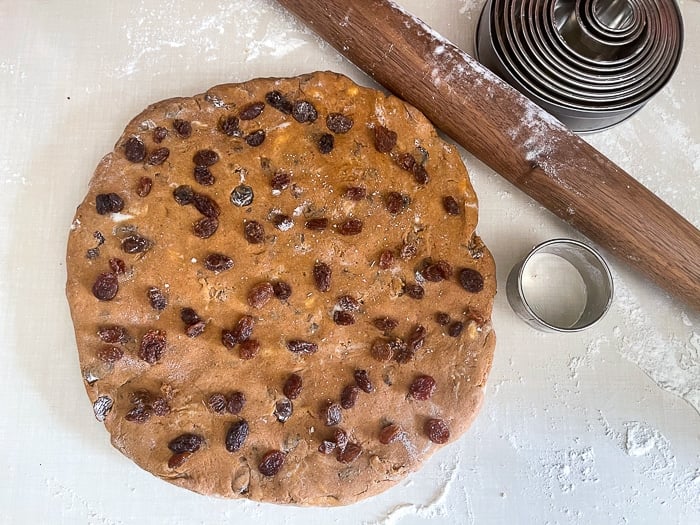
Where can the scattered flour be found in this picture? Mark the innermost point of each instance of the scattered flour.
(569, 468)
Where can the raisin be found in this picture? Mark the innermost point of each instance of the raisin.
(282, 289)
(390, 433)
(139, 414)
(406, 161)
(189, 316)
(348, 397)
(92, 253)
(350, 227)
(363, 381)
(348, 303)
(438, 271)
(318, 224)
(242, 195)
(420, 175)
(177, 460)
(117, 266)
(205, 227)
(384, 139)
(157, 299)
(152, 346)
(414, 291)
(236, 435)
(159, 134)
(342, 318)
(217, 403)
(326, 447)
(186, 443)
(161, 407)
(101, 407)
(331, 414)
(228, 339)
(141, 398)
(351, 452)
(325, 143)
(195, 329)
(471, 280)
(205, 157)
(394, 202)
(135, 150)
(437, 431)
(442, 318)
(355, 193)
(251, 111)
(243, 329)
(322, 276)
(455, 329)
(278, 101)
(283, 409)
(280, 180)
(108, 203)
(249, 349)
(110, 354)
(143, 188)
(271, 463)
(183, 195)
(340, 437)
(385, 324)
(304, 111)
(298, 346)
(417, 338)
(135, 244)
(106, 286)
(183, 128)
(206, 205)
(450, 204)
(386, 259)
(408, 251)
(422, 388)
(229, 126)
(218, 262)
(382, 350)
(256, 138)
(204, 176)
(113, 334)
(282, 222)
(292, 386)
(339, 123)
(158, 156)
(260, 294)
(235, 402)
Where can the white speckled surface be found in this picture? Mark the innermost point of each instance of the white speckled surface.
(583, 428)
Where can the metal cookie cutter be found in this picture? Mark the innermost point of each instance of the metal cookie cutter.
(590, 63)
(562, 285)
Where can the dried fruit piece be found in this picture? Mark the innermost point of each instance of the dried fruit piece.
(283, 409)
(183, 195)
(471, 280)
(139, 414)
(422, 387)
(271, 463)
(304, 111)
(385, 324)
(298, 346)
(278, 101)
(383, 350)
(218, 262)
(113, 334)
(292, 386)
(355, 193)
(348, 397)
(143, 188)
(117, 266)
(331, 414)
(183, 128)
(438, 271)
(351, 452)
(442, 318)
(135, 244)
(186, 443)
(134, 150)
(256, 138)
(384, 139)
(205, 157)
(363, 381)
(244, 328)
(249, 349)
(195, 329)
(282, 289)
(161, 407)
(325, 143)
(282, 222)
(203, 176)
(106, 286)
(280, 180)
(386, 259)
(177, 460)
(251, 111)
(152, 346)
(348, 303)
(217, 403)
(235, 402)
(417, 338)
(408, 251)
(157, 298)
(350, 227)
(158, 156)
(437, 431)
(390, 433)
(205, 227)
(230, 126)
(159, 134)
(189, 316)
(450, 204)
(236, 435)
(455, 329)
(406, 161)
(108, 203)
(339, 123)
(395, 202)
(420, 174)
(322, 276)
(254, 232)
(317, 224)
(242, 195)
(101, 407)
(342, 318)
(206, 205)
(414, 291)
(341, 438)
(260, 294)
(326, 447)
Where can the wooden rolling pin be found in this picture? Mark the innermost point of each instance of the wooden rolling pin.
(513, 136)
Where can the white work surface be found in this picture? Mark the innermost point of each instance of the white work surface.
(599, 427)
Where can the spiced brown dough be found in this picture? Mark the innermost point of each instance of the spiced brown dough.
(179, 288)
